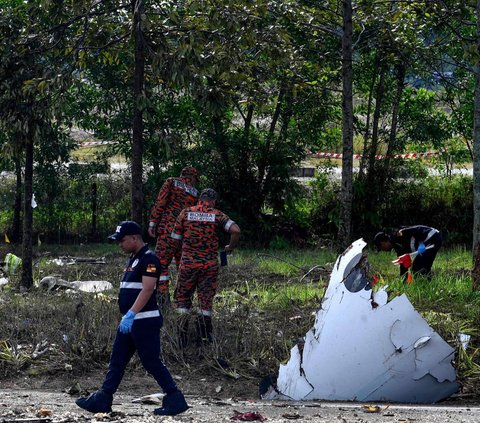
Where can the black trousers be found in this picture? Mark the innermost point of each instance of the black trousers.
(145, 340)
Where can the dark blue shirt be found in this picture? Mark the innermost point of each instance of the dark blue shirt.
(144, 263)
(407, 239)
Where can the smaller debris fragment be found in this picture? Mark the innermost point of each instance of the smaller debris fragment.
(371, 409)
(44, 412)
(11, 264)
(155, 399)
(51, 282)
(249, 416)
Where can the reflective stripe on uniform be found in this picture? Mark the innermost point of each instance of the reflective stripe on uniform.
(147, 314)
(182, 310)
(412, 244)
(131, 285)
(430, 234)
(164, 278)
(228, 224)
(205, 312)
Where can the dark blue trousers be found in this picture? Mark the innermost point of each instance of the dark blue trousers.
(145, 340)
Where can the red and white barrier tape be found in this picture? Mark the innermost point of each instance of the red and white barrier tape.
(318, 154)
(378, 157)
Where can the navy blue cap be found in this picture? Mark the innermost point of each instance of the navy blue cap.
(208, 194)
(127, 227)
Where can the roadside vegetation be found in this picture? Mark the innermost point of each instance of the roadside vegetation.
(266, 303)
(70, 212)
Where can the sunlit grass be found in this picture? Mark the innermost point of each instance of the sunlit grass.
(286, 263)
(281, 297)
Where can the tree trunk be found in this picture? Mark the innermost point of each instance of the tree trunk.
(285, 116)
(366, 135)
(346, 194)
(400, 74)
(395, 111)
(375, 126)
(27, 250)
(271, 133)
(243, 170)
(94, 202)
(476, 166)
(17, 209)
(138, 106)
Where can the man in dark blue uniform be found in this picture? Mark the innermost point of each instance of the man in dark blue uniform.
(424, 240)
(139, 329)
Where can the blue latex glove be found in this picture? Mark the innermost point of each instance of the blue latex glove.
(127, 322)
(421, 248)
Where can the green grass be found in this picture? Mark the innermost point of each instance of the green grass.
(283, 297)
(282, 262)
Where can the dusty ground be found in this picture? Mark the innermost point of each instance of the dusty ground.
(55, 406)
(212, 397)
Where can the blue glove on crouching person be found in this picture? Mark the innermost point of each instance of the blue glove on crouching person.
(127, 322)
(421, 248)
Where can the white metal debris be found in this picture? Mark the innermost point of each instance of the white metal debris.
(52, 282)
(363, 347)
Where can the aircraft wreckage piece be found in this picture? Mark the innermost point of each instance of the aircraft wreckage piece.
(363, 347)
(52, 282)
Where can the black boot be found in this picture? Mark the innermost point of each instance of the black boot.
(205, 329)
(98, 402)
(172, 404)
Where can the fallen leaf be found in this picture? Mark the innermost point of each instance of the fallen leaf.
(44, 412)
(371, 408)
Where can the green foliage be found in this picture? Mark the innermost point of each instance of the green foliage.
(422, 123)
(446, 204)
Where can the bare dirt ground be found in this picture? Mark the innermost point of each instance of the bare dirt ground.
(32, 406)
(212, 398)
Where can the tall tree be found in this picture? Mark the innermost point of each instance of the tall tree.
(138, 106)
(476, 162)
(346, 194)
(32, 64)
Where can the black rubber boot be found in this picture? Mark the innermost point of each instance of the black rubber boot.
(172, 404)
(98, 402)
(205, 329)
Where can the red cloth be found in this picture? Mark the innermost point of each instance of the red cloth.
(405, 260)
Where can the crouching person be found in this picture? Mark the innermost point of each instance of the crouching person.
(139, 328)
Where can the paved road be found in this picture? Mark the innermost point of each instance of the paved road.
(23, 406)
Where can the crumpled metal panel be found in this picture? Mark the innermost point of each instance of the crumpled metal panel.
(363, 347)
